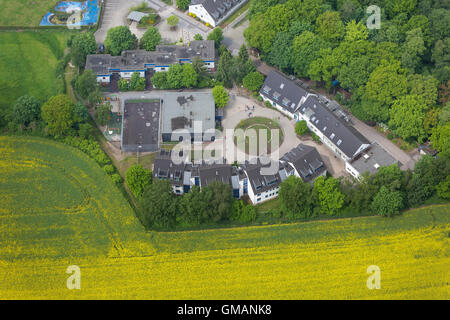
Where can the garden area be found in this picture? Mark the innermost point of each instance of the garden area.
(152, 17)
(260, 125)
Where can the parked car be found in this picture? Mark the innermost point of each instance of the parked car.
(101, 48)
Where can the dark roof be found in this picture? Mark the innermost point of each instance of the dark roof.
(165, 169)
(141, 125)
(215, 172)
(337, 130)
(163, 55)
(99, 63)
(283, 90)
(261, 183)
(217, 9)
(306, 161)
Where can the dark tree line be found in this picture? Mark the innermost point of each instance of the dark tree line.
(393, 72)
(161, 208)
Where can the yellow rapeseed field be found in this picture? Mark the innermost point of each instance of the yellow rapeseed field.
(321, 259)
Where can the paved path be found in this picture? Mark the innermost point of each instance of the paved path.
(373, 135)
(234, 38)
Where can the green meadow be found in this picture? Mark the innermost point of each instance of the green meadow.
(27, 64)
(24, 13)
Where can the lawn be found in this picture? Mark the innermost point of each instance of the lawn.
(24, 13)
(259, 125)
(84, 220)
(27, 64)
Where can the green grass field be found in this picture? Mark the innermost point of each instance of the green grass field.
(258, 124)
(27, 64)
(58, 209)
(24, 13)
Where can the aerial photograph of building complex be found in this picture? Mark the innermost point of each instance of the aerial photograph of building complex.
(215, 154)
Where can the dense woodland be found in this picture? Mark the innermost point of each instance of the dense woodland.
(397, 75)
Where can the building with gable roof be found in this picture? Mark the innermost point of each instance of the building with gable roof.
(214, 11)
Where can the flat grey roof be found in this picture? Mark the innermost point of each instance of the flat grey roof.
(181, 109)
(136, 16)
(99, 63)
(141, 124)
(373, 158)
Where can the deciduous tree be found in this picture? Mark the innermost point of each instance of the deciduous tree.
(58, 113)
(220, 96)
(159, 205)
(326, 191)
(387, 202)
(150, 39)
(119, 39)
(138, 179)
(26, 109)
(253, 81)
(295, 198)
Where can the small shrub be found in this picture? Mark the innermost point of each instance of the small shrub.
(301, 128)
(109, 169)
(315, 137)
(116, 178)
(275, 213)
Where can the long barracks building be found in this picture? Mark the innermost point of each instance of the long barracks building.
(325, 119)
(106, 66)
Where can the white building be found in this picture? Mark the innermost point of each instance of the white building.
(283, 94)
(306, 162)
(214, 12)
(249, 179)
(337, 134)
(370, 161)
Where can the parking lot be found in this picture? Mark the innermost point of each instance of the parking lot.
(116, 11)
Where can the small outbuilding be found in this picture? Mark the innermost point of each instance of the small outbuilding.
(136, 16)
